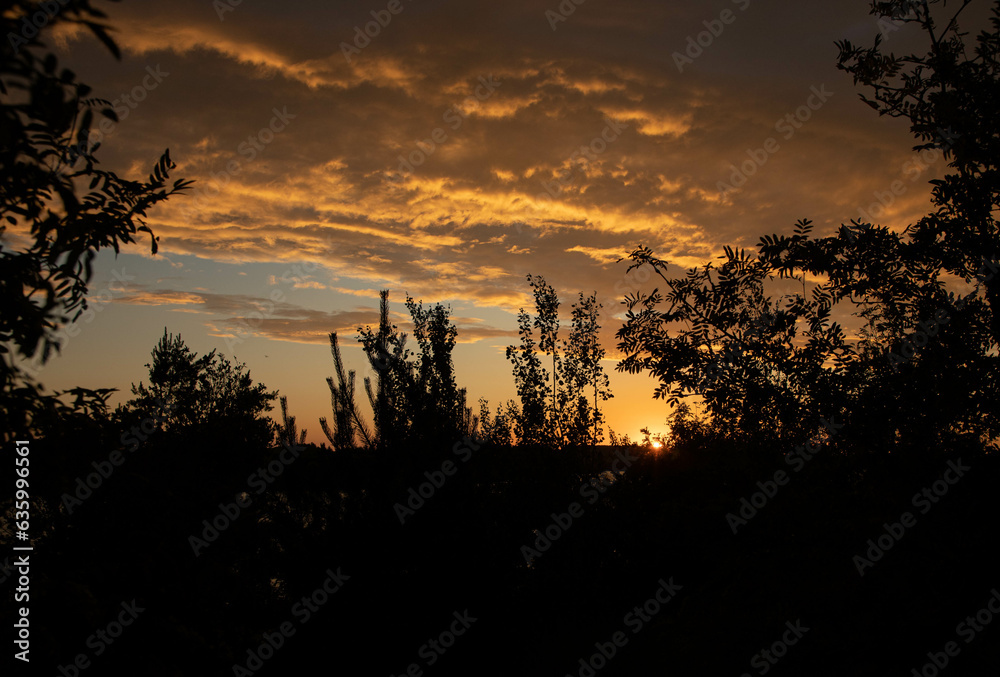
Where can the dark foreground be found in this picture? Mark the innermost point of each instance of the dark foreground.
(835, 571)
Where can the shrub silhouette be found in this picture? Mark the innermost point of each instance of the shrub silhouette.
(412, 399)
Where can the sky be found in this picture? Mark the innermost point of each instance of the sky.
(452, 149)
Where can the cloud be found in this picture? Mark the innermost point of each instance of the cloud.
(600, 255)
(477, 212)
(242, 315)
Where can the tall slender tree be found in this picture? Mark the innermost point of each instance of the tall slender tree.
(547, 323)
(530, 381)
(386, 351)
(288, 433)
(576, 366)
(583, 370)
(347, 421)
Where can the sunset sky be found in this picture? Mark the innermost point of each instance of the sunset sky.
(443, 159)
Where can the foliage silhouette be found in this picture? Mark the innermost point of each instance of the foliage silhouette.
(387, 353)
(532, 425)
(207, 395)
(499, 429)
(749, 355)
(347, 421)
(762, 378)
(576, 368)
(950, 100)
(411, 399)
(288, 434)
(46, 156)
(582, 371)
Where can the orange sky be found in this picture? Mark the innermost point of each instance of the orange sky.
(461, 147)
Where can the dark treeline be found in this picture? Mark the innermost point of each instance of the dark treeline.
(823, 505)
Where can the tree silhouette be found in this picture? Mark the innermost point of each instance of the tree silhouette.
(207, 395)
(923, 367)
(498, 430)
(547, 323)
(287, 433)
(46, 157)
(438, 396)
(387, 353)
(347, 420)
(415, 399)
(582, 355)
(530, 381)
(576, 367)
(721, 338)
(950, 100)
